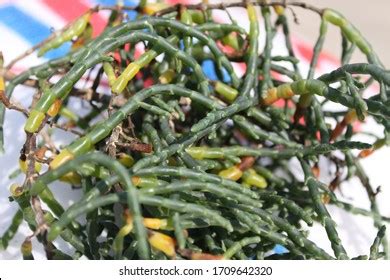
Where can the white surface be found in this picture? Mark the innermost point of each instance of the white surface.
(199, 270)
(357, 233)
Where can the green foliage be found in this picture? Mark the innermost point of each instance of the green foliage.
(178, 155)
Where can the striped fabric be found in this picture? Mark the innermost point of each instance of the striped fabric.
(24, 23)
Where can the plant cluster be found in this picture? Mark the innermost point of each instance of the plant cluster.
(174, 163)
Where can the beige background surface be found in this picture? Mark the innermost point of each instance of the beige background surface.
(372, 18)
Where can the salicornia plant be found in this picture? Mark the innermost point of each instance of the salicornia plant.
(174, 163)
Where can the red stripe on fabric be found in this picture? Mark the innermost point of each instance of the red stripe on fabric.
(139, 49)
(70, 10)
(279, 103)
(239, 68)
(148, 82)
(173, 2)
(306, 51)
(357, 127)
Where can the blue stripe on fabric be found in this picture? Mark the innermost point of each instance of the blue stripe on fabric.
(131, 14)
(29, 28)
(209, 70)
(279, 249)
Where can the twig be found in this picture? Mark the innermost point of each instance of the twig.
(222, 6)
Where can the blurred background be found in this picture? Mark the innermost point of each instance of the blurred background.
(24, 23)
(372, 18)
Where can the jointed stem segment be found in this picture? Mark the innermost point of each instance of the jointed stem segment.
(196, 160)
